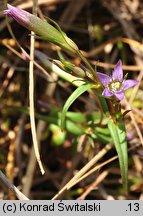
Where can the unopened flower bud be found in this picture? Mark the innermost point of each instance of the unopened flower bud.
(59, 64)
(71, 68)
(77, 71)
(42, 28)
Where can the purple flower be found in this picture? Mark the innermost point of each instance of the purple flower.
(115, 85)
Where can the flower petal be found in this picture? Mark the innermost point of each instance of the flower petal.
(104, 78)
(21, 16)
(119, 95)
(107, 93)
(128, 84)
(118, 72)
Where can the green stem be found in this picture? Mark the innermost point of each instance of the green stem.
(89, 67)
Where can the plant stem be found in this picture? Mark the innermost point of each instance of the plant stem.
(89, 67)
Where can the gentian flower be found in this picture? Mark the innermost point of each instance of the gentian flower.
(42, 28)
(115, 85)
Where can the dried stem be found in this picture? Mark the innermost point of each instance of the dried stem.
(31, 94)
(10, 186)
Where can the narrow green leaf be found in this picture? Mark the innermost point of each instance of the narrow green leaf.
(118, 134)
(80, 90)
(74, 128)
(123, 143)
(76, 117)
(103, 104)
